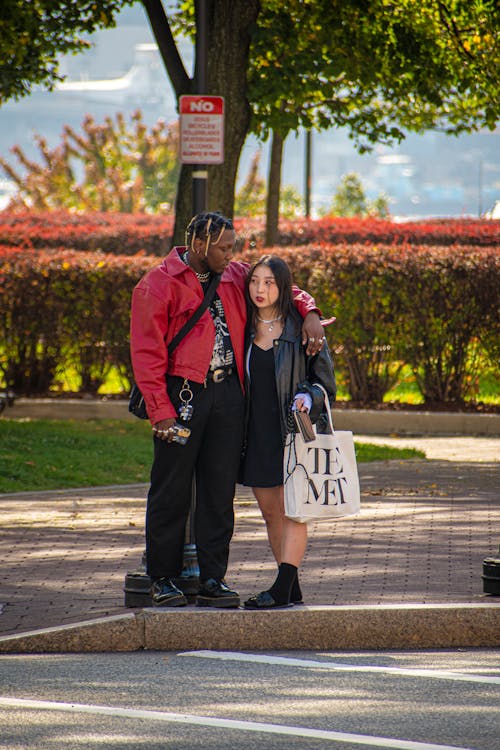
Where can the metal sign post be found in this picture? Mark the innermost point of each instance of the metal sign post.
(201, 140)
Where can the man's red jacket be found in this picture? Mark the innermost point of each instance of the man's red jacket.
(163, 300)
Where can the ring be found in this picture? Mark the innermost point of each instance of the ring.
(311, 338)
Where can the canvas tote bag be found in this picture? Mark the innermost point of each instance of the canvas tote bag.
(321, 476)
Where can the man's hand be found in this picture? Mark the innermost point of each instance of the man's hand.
(163, 430)
(313, 336)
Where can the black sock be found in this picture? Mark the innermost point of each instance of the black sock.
(280, 590)
(296, 592)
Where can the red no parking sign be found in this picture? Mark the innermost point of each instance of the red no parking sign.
(202, 129)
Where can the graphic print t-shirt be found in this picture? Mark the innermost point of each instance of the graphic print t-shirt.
(223, 355)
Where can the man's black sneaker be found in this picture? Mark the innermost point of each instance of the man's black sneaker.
(165, 594)
(214, 593)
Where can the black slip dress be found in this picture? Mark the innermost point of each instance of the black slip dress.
(263, 463)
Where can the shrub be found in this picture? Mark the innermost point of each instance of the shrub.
(350, 200)
(371, 231)
(432, 308)
(123, 234)
(108, 167)
(449, 298)
(63, 306)
(128, 234)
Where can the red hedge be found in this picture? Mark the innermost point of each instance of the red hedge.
(128, 234)
(427, 306)
(382, 232)
(123, 234)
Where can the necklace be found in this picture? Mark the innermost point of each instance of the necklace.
(271, 322)
(200, 276)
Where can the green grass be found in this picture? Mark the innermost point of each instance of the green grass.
(56, 454)
(366, 452)
(46, 454)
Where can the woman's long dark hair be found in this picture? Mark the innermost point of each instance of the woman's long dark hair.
(283, 277)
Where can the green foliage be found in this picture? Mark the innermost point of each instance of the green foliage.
(350, 200)
(34, 34)
(379, 207)
(366, 452)
(428, 307)
(355, 284)
(379, 68)
(291, 203)
(250, 200)
(108, 167)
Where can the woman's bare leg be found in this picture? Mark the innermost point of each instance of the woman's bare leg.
(294, 542)
(288, 539)
(270, 500)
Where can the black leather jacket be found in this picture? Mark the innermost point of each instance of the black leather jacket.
(297, 373)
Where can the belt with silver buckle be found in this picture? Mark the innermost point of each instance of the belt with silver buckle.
(220, 374)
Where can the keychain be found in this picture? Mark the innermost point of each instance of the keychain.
(186, 410)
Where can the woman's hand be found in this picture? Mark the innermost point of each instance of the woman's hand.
(163, 429)
(312, 334)
(302, 402)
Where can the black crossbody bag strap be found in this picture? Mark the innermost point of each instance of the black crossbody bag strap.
(207, 299)
(136, 404)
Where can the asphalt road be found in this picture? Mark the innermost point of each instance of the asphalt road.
(286, 700)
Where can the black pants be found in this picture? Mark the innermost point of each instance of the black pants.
(212, 455)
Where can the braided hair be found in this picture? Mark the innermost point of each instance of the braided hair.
(209, 226)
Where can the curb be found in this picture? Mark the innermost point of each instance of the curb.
(376, 627)
(360, 421)
(371, 422)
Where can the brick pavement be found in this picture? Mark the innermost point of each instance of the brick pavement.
(424, 530)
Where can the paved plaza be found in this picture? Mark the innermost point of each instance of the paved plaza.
(421, 538)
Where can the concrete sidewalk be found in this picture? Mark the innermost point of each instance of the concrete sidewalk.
(405, 573)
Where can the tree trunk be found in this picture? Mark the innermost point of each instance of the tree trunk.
(273, 189)
(183, 204)
(229, 24)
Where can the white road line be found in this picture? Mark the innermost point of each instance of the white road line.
(286, 661)
(210, 721)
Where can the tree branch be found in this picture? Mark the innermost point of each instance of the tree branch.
(172, 61)
(453, 30)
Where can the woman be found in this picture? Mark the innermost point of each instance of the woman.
(199, 383)
(280, 378)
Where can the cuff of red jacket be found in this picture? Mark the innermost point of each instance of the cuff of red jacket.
(159, 409)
